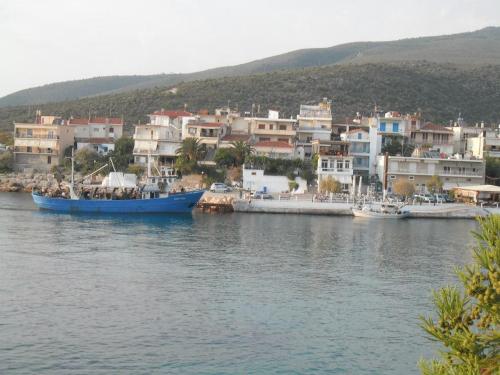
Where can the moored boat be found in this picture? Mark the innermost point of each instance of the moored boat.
(382, 211)
(120, 193)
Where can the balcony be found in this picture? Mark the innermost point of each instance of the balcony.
(35, 151)
(36, 136)
(276, 132)
(461, 173)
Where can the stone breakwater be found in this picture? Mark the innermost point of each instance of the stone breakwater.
(25, 182)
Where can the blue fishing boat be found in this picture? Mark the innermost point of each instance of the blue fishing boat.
(172, 203)
(120, 194)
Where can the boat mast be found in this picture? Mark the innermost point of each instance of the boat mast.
(386, 167)
(72, 194)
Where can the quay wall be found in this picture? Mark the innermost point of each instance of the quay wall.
(442, 211)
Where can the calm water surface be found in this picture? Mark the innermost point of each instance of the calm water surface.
(218, 294)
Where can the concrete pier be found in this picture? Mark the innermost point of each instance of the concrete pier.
(443, 211)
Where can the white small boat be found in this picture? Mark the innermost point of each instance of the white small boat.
(382, 211)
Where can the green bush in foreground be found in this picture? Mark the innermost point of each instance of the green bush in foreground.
(468, 320)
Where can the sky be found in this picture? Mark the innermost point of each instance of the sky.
(50, 41)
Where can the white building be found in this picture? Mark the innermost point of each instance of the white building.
(487, 143)
(339, 167)
(453, 172)
(359, 149)
(161, 137)
(314, 123)
(256, 180)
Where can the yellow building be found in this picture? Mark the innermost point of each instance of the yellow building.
(39, 146)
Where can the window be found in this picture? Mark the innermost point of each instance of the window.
(29, 149)
(262, 126)
(254, 173)
(111, 130)
(29, 133)
(382, 127)
(346, 164)
(283, 140)
(271, 126)
(395, 127)
(360, 135)
(264, 139)
(447, 169)
(282, 127)
(49, 159)
(339, 165)
(393, 177)
(425, 136)
(324, 164)
(411, 178)
(413, 135)
(191, 131)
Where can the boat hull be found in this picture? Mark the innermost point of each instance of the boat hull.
(379, 215)
(174, 203)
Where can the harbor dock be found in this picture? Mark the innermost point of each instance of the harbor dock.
(441, 211)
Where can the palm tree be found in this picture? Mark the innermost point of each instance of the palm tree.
(191, 150)
(241, 150)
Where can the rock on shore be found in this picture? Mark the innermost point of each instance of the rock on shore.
(25, 182)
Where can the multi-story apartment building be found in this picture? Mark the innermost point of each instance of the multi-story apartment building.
(208, 133)
(314, 123)
(161, 138)
(334, 161)
(461, 135)
(487, 143)
(98, 133)
(274, 137)
(359, 149)
(433, 137)
(40, 145)
(453, 172)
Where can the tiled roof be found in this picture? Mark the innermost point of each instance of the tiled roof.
(273, 144)
(78, 121)
(431, 126)
(106, 120)
(171, 114)
(236, 137)
(96, 120)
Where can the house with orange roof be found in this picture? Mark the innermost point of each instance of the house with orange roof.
(274, 137)
(97, 133)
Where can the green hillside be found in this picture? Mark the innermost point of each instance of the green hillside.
(481, 47)
(440, 91)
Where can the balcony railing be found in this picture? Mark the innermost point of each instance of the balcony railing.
(349, 170)
(36, 136)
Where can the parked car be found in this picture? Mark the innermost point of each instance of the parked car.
(427, 198)
(218, 187)
(443, 198)
(261, 195)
